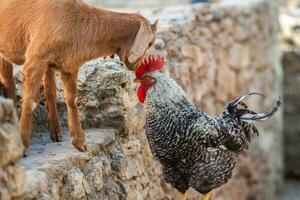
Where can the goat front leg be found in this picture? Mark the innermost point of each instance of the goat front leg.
(71, 93)
(7, 79)
(50, 94)
(33, 72)
(37, 100)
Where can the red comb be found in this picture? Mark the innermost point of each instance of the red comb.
(153, 63)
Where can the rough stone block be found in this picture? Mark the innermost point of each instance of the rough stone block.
(12, 176)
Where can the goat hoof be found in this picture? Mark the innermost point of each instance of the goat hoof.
(26, 145)
(56, 135)
(81, 146)
(25, 151)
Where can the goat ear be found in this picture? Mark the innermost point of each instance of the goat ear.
(154, 26)
(140, 43)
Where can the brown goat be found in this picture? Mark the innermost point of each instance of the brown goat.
(63, 34)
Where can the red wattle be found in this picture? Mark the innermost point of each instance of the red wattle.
(141, 93)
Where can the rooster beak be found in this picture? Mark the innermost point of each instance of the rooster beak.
(137, 80)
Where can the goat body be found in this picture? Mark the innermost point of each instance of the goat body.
(63, 34)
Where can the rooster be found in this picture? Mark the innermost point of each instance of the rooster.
(195, 149)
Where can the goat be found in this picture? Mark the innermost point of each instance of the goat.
(45, 36)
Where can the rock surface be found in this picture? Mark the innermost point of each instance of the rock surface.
(216, 52)
(58, 171)
(12, 176)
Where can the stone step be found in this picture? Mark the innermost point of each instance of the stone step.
(43, 151)
(55, 169)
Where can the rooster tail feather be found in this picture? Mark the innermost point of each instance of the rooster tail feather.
(246, 115)
(239, 101)
(251, 117)
(238, 120)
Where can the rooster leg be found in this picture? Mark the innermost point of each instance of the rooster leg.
(183, 196)
(206, 196)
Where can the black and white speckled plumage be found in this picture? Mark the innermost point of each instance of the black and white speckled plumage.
(196, 150)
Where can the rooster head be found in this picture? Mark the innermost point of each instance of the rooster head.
(153, 63)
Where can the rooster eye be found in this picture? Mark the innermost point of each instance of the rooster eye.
(148, 81)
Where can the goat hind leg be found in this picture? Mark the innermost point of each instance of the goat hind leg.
(33, 72)
(70, 91)
(50, 94)
(7, 79)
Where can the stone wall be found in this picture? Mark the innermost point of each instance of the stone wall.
(216, 52)
(290, 3)
(12, 176)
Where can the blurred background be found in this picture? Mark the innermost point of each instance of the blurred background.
(136, 3)
(289, 19)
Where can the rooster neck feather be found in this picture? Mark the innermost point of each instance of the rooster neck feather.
(165, 92)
